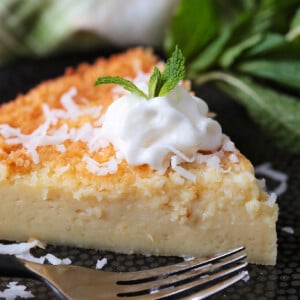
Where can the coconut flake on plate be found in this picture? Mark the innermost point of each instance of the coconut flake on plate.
(15, 290)
(22, 250)
(288, 229)
(266, 169)
(101, 263)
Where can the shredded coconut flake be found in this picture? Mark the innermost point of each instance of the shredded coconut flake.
(22, 250)
(97, 140)
(61, 148)
(64, 169)
(101, 263)
(109, 167)
(288, 229)
(233, 158)
(246, 276)
(228, 145)
(272, 199)
(261, 183)
(71, 110)
(45, 135)
(53, 260)
(180, 156)
(15, 290)
(180, 170)
(184, 173)
(267, 170)
(188, 258)
(16, 249)
(154, 290)
(211, 160)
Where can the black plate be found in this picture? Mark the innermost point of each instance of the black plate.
(279, 282)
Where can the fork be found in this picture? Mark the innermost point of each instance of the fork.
(191, 279)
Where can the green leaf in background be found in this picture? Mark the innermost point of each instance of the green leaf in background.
(269, 42)
(295, 27)
(277, 113)
(273, 15)
(231, 54)
(194, 24)
(252, 28)
(233, 9)
(274, 47)
(260, 39)
(262, 17)
(256, 20)
(17, 19)
(283, 72)
(210, 54)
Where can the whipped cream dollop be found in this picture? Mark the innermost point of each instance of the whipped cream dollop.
(152, 131)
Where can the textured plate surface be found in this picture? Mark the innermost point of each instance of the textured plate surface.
(279, 282)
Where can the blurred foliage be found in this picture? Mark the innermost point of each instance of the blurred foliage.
(253, 48)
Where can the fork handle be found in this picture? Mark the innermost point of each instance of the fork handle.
(10, 266)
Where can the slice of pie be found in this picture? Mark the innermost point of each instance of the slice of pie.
(65, 182)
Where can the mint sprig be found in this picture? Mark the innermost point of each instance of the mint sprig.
(126, 84)
(170, 77)
(160, 83)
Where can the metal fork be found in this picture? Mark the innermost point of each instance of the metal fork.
(194, 279)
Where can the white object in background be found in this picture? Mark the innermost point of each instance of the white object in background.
(129, 22)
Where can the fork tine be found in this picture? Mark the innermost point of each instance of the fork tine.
(201, 282)
(218, 286)
(149, 275)
(181, 278)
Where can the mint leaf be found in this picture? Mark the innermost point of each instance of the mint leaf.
(159, 84)
(126, 84)
(174, 72)
(162, 83)
(155, 83)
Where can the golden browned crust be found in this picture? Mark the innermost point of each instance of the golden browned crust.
(25, 112)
